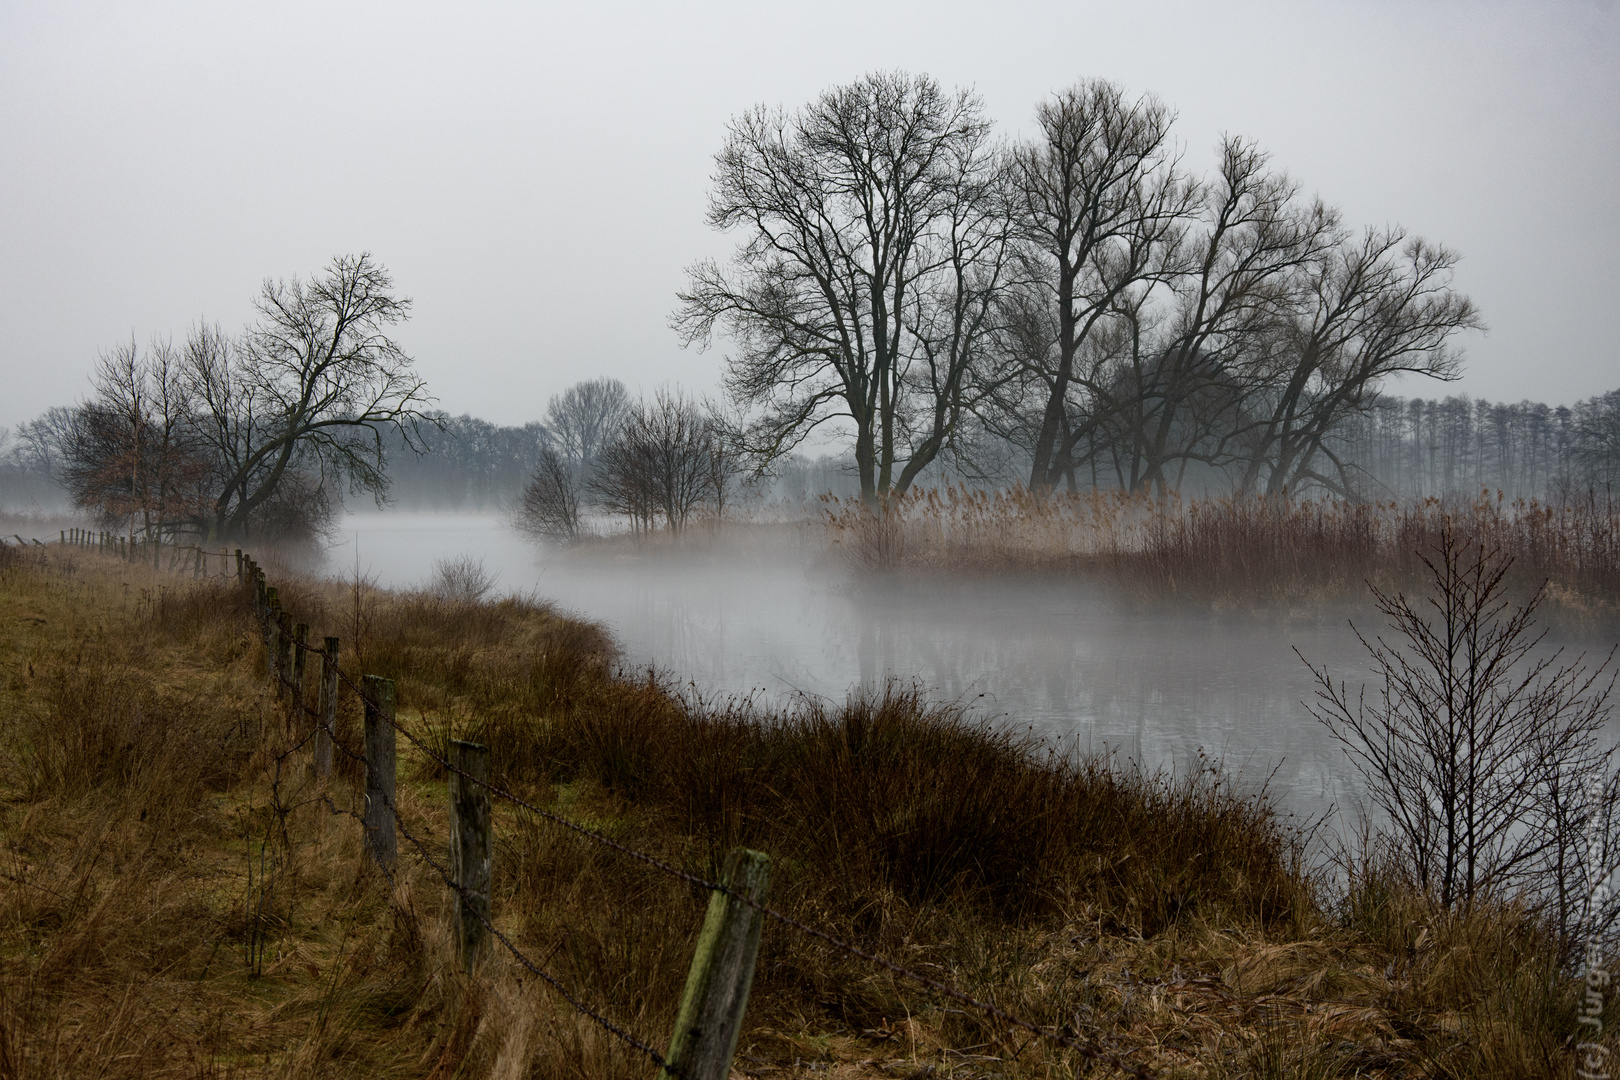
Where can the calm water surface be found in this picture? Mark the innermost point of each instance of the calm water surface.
(1048, 654)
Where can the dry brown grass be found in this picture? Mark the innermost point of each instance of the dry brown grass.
(178, 902)
(1234, 552)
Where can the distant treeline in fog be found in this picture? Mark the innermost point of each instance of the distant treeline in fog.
(1397, 447)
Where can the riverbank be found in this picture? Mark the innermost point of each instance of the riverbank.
(178, 900)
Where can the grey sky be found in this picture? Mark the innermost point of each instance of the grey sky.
(534, 175)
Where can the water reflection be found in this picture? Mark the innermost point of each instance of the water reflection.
(1053, 655)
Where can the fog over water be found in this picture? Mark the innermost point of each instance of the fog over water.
(1045, 653)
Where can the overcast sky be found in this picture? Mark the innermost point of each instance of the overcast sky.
(534, 175)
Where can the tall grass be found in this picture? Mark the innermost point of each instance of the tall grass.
(1241, 548)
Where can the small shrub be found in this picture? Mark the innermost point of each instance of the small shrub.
(463, 579)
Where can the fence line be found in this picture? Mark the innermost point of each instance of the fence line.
(604, 1022)
(265, 601)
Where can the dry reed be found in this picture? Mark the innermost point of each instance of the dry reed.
(1235, 551)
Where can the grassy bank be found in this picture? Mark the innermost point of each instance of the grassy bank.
(177, 899)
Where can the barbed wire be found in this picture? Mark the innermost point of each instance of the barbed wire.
(1090, 1051)
(604, 1022)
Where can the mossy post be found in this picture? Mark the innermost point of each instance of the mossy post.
(283, 652)
(471, 842)
(326, 709)
(300, 643)
(272, 630)
(717, 986)
(379, 816)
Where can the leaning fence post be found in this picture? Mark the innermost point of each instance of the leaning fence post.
(722, 972)
(326, 709)
(470, 847)
(300, 643)
(379, 817)
(241, 578)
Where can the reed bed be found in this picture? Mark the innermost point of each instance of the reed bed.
(1242, 550)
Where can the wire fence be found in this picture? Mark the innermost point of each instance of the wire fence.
(1093, 1051)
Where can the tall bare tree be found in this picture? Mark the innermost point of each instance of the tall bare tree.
(1235, 289)
(1099, 203)
(132, 453)
(1365, 310)
(312, 386)
(584, 418)
(847, 210)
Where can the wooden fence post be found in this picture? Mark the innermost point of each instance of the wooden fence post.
(722, 973)
(471, 842)
(241, 578)
(272, 631)
(283, 652)
(379, 816)
(326, 709)
(300, 643)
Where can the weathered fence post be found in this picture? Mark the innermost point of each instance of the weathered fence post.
(272, 630)
(283, 652)
(326, 709)
(379, 816)
(300, 644)
(470, 848)
(722, 972)
(241, 577)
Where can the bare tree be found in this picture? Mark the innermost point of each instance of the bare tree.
(847, 210)
(550, 506)
(311, 387)
(1099, 203)
(665, 462)
(1364, 311)
(132, 453)
(585, 418)
(624, 481)
(1473, 745)
(1235, 288)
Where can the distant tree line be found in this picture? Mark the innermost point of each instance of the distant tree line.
(1407, 447)
(553, 471)
(462, 463)
(1080, 296)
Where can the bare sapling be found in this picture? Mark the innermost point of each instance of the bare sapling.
(1480, 750)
